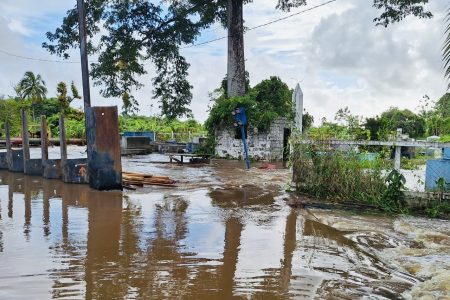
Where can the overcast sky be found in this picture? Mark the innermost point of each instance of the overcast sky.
(336, 53)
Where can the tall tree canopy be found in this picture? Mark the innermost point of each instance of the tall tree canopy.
(130, 32)
(31, 87)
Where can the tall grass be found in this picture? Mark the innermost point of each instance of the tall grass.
(325, 172)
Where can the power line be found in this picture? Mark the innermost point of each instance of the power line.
(38, 59)
(263, 25)
(185, 47)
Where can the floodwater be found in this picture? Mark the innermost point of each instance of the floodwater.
(223, 233)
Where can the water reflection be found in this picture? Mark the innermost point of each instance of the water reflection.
(83, 244)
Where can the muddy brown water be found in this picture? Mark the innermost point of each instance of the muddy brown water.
(221, 234)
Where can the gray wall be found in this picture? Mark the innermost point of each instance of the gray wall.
(262, 145)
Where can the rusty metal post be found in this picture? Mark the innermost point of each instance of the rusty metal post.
(44, 138)
(104, 154)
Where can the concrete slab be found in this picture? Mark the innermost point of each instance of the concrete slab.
(33, 167)
(75, 171)
(15, 160)
(52, 169)
(3, 160)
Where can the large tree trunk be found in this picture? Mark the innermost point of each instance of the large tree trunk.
(236, 60)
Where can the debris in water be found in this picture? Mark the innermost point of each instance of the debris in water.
(268, 166)
(141, 179)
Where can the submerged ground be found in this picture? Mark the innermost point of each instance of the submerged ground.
(222, 233)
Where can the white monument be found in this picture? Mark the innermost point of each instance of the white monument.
(297, 100)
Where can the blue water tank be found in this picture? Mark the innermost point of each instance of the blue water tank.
(436, 168)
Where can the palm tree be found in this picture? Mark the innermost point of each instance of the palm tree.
(446, 48)
(32, 87)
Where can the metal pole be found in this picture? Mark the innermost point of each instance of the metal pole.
(83, 53)
(244, 140)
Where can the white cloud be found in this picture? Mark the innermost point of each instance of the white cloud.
(336, 51)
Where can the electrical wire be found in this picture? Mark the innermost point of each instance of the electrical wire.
(262, 25)
(38, 59)
(185, 47)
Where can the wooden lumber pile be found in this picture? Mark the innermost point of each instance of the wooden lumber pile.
(141, 179)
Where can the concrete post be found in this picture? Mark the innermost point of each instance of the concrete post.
(51, 167)
(25, 137)
(4, 155)
(30, 166)
(13, 157)
(8, 137)
(397, 157)
(44, 138)
(62, 140)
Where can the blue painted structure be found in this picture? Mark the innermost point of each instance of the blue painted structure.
(149, 134)
(192, 147)
(446, 153)
(436, 169)
(241, 120)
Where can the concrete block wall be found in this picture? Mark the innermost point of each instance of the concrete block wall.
(262, 145)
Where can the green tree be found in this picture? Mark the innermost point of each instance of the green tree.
(32, 87)
(307, 121)
(409, 122)
(129, 105)
(132, 32)
(442, 106)
(265, 102)
(373, 125)
(63, 97)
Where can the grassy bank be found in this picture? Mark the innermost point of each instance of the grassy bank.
(329, 174)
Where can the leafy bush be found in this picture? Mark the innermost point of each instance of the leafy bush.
(264, 103)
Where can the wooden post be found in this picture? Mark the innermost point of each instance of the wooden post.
(62, 140)
(44, 138)
(25, 137)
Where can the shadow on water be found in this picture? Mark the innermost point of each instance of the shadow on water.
(83, 244)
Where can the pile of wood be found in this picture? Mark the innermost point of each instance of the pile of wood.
(140, 179)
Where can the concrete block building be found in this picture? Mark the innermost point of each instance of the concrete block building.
(269, 146)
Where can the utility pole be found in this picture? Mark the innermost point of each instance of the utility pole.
(84, 56)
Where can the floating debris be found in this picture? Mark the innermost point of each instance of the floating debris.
(140, 179)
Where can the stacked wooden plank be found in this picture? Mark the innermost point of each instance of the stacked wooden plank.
(141, 179)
